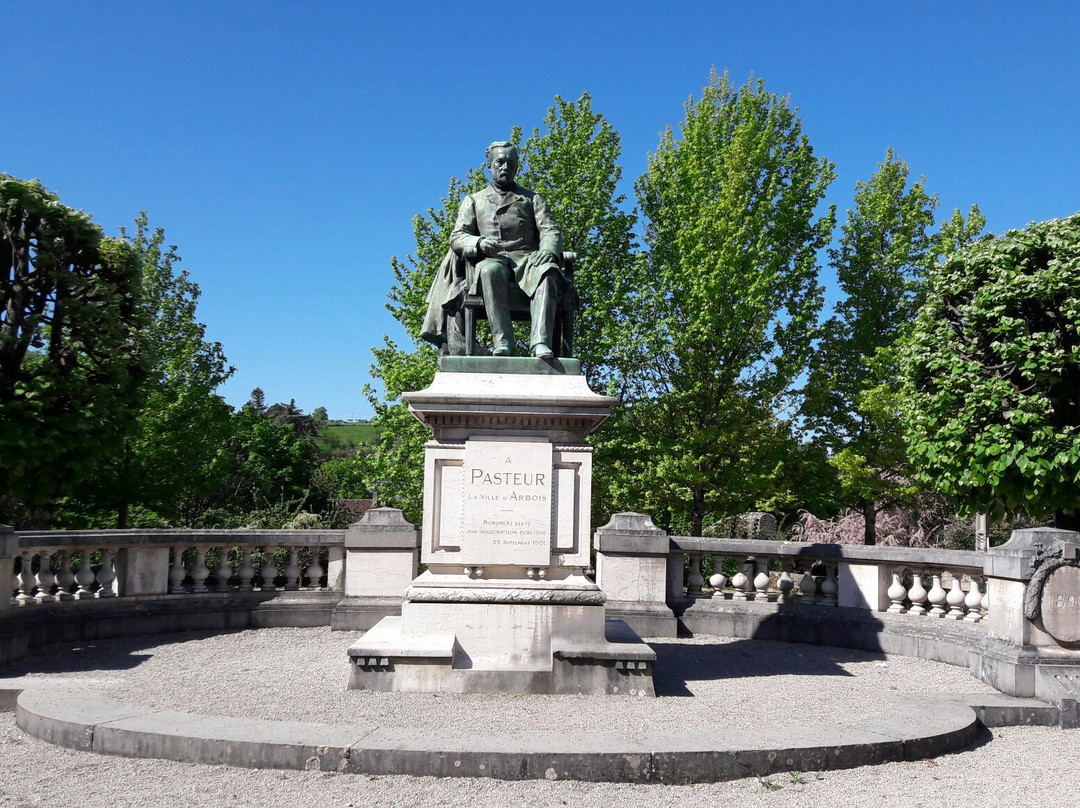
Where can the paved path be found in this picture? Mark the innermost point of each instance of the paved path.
(293, 675)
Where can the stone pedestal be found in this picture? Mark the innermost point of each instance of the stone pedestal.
(505, 605)
(1033, 643)
(381, 552)
(632, 569)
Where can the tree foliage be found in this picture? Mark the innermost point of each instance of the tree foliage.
(992, 374)
(730, 294)
(163, 464)
(72, 362)
(885, 250)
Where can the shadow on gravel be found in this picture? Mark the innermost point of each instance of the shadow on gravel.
(678, 663)
(110, 654)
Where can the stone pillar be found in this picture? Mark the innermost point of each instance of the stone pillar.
(1032, 647)
(380, 562)
(631, 569)
(9, 548)
(142, 571)
(864, 586)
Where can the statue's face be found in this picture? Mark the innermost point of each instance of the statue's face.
(503, 166)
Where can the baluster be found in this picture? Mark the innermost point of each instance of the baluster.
(85, 576)
(740, 582)
(917, 594)
(107, 575)
(314, 570)
(199, 572)
(786, 583)
(292, 570)
(177, 572)
(45, 579)
(223, 571)
(973, 601)
(268, 571)
(936, 596)
(896, 593)
(955, 599)
(695, 579)
(829, 586)
(762, 580)
(24, 581)
(246, 573)
(65, 577)
(718, 581)
(807, 587)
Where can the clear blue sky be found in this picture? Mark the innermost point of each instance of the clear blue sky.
(285, 147)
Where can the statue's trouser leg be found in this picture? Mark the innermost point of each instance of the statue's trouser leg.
(542, 310)
(494, 283)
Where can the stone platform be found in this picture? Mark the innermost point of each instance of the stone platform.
(912, 728)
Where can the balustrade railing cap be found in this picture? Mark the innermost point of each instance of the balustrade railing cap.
(384, 516)
(1014, 559)
(632, 534)
(385, 528)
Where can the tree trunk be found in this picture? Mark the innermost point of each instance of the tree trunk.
(697, 515)
(122, 516)
(870, 522)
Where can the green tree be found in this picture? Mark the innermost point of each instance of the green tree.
(162, 465)
(992, 374)
(268, 463)
(885, 250)
(71, 361)
(729, 290)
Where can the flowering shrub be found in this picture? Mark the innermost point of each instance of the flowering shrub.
(895, 528)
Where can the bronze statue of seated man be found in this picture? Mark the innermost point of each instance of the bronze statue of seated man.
(506, 235)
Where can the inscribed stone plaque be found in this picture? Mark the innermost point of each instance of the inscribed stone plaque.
(1061, 604)
(507, 503)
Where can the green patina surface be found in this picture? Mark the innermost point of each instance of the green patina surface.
(521, 365)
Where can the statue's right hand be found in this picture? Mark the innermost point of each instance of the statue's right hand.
(488, 247)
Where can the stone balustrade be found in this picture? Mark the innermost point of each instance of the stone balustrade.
(898, 580)
(1009, 614)
(57, 566)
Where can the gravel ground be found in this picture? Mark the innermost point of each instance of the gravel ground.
(300, 674)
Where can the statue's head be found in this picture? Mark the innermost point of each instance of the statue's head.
(502, 160)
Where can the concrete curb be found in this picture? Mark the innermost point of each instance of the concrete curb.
(911, 729)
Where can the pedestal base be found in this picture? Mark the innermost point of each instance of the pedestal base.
(619, 664)
(502, 635)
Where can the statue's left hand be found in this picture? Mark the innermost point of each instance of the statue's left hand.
(546, 257)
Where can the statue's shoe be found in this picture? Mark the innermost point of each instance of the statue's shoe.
(503, 350)
(541, 351)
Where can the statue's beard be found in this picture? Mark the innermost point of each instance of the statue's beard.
(504, 182)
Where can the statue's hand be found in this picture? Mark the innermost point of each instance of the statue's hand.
(546, 257)
(488, 247)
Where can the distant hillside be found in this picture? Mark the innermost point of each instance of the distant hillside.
(341, 435)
